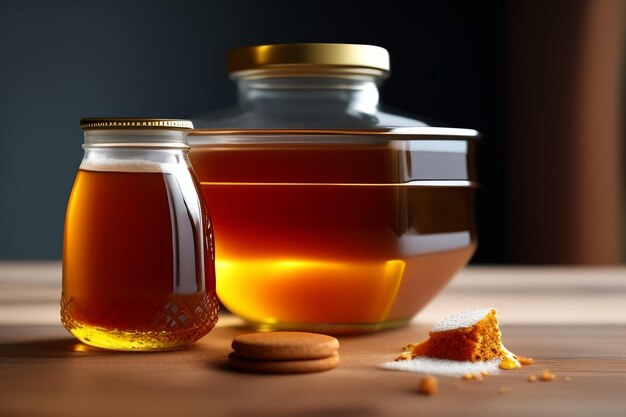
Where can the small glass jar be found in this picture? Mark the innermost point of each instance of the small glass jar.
(331, 215)
(138, 257)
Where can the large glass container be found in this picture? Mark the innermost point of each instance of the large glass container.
(329, 214)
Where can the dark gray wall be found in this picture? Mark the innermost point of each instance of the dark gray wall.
(64, 60)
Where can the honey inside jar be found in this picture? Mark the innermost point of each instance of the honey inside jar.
(324, 236)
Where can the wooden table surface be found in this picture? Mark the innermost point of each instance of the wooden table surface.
(572, 321)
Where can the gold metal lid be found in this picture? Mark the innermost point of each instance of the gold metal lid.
(305, 59)
(93, 123)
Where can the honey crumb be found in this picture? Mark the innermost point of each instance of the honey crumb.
(476, 377)
(532, 378)
(404, 356)
(408, 348)
(503, 390)
(406, 353)
(428, 385)
(484, 373)
(567, 378)
(524, 361)
(546, 376)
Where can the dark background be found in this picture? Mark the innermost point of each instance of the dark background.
(64, 60)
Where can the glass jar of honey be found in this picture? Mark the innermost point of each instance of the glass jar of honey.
(138, 257)
(330, 215)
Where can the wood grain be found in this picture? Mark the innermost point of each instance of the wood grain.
(45, 372)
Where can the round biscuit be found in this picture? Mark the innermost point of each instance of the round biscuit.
(285, 345)
(283, 367)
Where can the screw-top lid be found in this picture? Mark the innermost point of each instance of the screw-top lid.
(134, 123)
(309, 59)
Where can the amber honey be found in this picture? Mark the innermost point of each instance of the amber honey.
(137, 270)
(329, 237)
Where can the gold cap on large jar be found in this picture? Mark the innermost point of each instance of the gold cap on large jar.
(308, 59)
(93, 123)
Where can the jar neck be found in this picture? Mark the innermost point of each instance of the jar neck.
(138, 151)
(137, 160)
(318, 94)
(140, 138)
